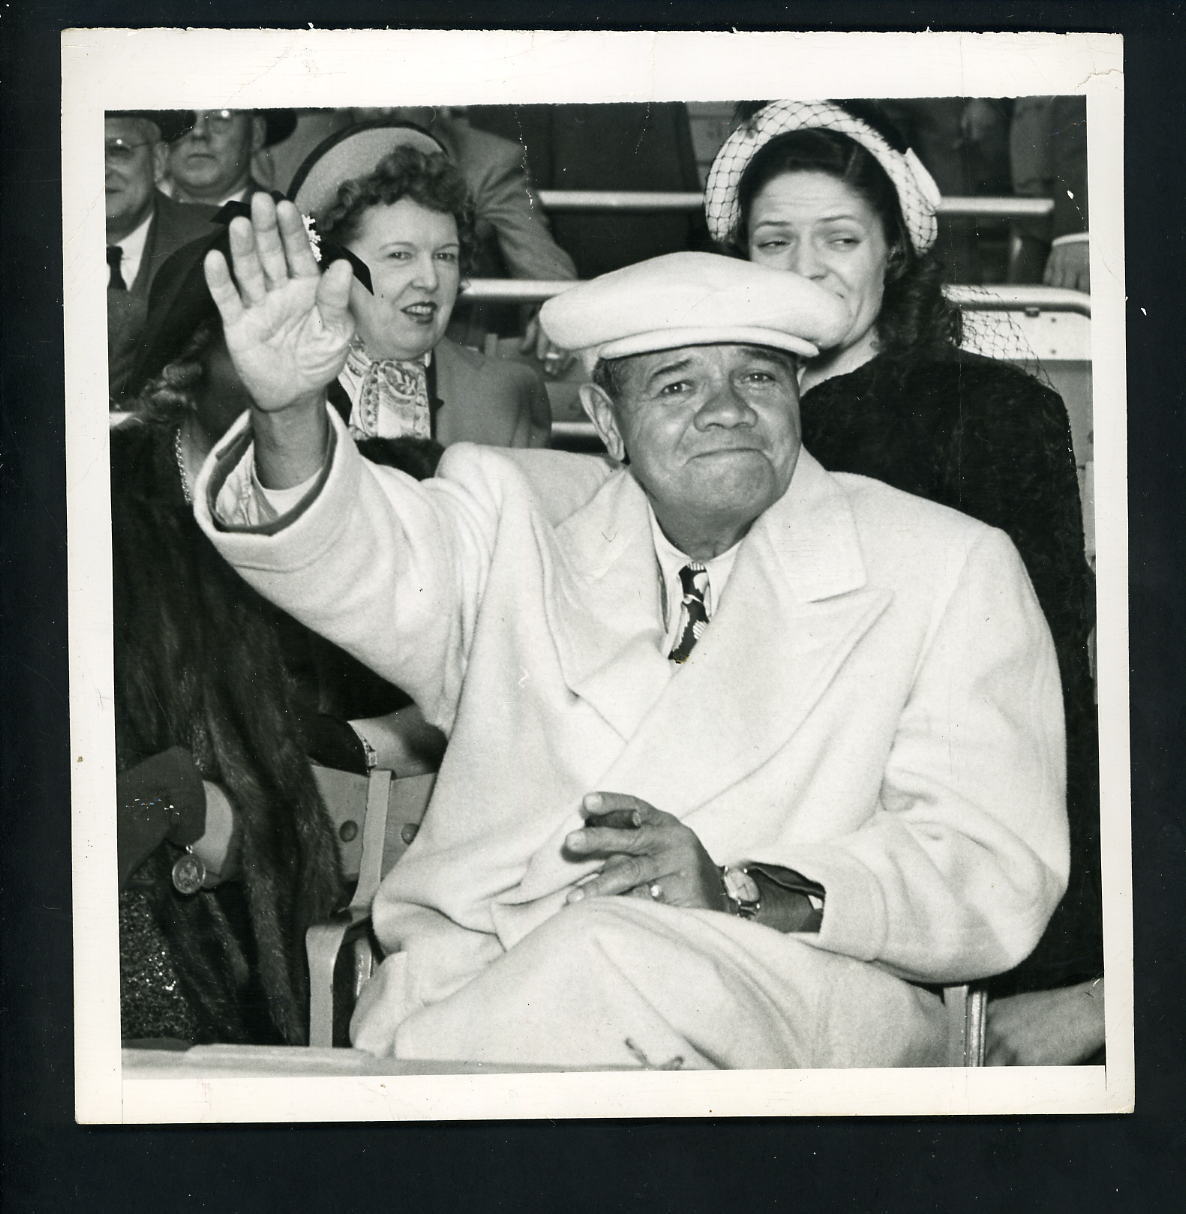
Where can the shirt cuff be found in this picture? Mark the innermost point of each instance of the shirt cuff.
(236, 499)
(1069, 238)
(278, 502)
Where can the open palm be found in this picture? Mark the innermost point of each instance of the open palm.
(287, 325)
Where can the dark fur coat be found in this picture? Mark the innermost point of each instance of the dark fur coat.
(198, 663)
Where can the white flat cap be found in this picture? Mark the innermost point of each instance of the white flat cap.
(693, 299)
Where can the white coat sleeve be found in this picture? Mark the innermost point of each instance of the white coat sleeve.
(389, 568)
(958, 870)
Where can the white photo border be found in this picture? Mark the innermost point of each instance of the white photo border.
(160, 69)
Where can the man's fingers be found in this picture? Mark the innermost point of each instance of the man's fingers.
(530, 339)
(616, 819)
(333, 296)
(245, 259)
(607, 841)
(222, 288)
(268, 244)
(595, 804)
(619, 876)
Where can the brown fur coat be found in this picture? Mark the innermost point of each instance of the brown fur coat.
(198, 663)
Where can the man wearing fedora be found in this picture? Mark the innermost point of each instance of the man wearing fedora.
(744, 757)
(211, 162)
(144, 225)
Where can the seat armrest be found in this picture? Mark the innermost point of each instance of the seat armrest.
(390, 811)
(965, 1025)
(323, 945)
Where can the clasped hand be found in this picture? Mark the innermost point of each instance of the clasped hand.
(643, 847)
(287, 324)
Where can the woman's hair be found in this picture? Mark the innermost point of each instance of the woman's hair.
(915, 318)
(430, 179)
(173, 391)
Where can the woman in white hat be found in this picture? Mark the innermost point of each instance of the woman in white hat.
(830, 191)
(386, 196)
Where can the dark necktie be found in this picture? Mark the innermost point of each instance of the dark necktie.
(694, 580)
(115, 280)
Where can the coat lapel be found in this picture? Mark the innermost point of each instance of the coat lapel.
(795, 606)
(603, 606)
(148, 258)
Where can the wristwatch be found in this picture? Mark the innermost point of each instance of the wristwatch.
(742, 892)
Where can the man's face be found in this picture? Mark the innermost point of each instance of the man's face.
(214, 158)
(134, 159)
(712, 432)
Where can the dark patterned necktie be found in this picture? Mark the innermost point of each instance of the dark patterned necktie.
(115, 280)
(694, 580)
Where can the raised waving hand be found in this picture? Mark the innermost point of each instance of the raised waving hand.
(287, 324)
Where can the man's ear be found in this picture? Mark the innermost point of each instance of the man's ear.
(259, 132)
(160, 161)
(601, 410)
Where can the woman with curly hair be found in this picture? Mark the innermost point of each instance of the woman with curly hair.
(830, 192)
(390, 200)
(222, 705)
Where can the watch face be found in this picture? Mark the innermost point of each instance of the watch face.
(740, 886)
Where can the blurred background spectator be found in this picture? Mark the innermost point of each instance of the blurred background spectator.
(965, 145)
(211, 162)
(144, 226)
(608, 147)
(1048, 159)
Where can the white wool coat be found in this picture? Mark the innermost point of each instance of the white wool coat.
(876, 702)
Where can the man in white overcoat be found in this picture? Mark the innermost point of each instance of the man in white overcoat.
(744, 758)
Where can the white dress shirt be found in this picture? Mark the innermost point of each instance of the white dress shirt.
(132, 247)
(671, 592)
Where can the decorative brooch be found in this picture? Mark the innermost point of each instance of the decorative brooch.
(314, 236)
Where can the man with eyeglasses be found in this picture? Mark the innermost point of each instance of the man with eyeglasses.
(143, 224)
(211, 161)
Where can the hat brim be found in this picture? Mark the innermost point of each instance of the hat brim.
(674, 339)
(172, 124)
(349, 154)
(278, 125)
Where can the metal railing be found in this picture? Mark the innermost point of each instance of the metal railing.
(955, 206)
(973, 298)
(1009, 298)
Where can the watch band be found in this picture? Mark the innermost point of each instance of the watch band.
(741, 890)
(795, 882)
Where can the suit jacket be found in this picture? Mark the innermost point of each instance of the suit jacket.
(1048, 158)
(609, 146)
(173, 224)
(504, 208)
(478, 400)
(875, 703)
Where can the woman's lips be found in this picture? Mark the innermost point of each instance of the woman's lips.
(420, 312)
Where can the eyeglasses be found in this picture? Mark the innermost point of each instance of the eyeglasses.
(121, 151)
(217, 122)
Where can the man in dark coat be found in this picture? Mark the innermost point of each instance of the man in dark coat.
(143, 227)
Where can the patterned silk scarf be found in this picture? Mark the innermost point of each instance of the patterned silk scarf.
(393, 398)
